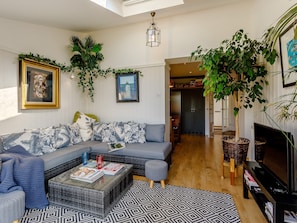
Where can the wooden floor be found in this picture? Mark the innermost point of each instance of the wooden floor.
(196, 163)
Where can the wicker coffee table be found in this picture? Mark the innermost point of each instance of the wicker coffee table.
(96, 198)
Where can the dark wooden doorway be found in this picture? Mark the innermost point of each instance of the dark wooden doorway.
(192, 111)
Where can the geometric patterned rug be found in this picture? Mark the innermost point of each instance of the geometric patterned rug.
(141, 204)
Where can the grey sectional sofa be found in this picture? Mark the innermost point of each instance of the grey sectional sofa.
(61, 147)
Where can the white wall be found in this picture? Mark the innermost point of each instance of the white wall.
(180, 35)
(125, 47)
(16, 38)
(275, 88)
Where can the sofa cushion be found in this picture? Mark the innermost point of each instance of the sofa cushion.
(47, 139)
(99, 147)
(62, 155)
(77, 114)
(128, 132)
(85, 124)
(12, 206)
(149, 150)
(134, 132)
(74, 133)
(154, 132)
(28, 139)
(106, 132)
(62, 136)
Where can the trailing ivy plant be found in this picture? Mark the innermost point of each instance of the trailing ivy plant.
(42, 59)
(85, 63)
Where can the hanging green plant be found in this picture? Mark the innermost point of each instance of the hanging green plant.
(85, 63)
(42, 59)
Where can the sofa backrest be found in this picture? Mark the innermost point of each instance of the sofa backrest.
(154, 132)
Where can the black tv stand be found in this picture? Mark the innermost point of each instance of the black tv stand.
(273, 200)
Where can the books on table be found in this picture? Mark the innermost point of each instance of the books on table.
(112, 168)
(87, 174)
(114, 146)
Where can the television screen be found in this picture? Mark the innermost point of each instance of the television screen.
(275, 156)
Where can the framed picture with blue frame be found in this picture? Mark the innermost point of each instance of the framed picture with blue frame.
(127, 87)
(288, 54)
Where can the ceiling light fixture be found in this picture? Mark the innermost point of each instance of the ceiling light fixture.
(153, 34)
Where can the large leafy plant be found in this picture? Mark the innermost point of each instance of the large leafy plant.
(232, 70)
(86, 61)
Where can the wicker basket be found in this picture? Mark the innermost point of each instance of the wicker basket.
(238, 151)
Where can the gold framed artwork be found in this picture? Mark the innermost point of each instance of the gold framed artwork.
(40, 85)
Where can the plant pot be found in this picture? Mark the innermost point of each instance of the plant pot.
(236, 150)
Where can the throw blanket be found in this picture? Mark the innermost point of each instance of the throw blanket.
(22, 171)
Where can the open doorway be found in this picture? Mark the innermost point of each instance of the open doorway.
(186, 100)
(184, 77)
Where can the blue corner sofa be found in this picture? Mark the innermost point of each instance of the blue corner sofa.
(61, 146)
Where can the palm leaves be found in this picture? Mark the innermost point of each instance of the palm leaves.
(86, 61)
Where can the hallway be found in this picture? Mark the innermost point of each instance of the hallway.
(196, 163)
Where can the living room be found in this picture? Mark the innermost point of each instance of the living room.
(124, 47)
(180, 36)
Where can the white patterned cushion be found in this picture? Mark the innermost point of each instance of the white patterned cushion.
(28, 139)
(47, 137)
(85, 125)
(62, 136)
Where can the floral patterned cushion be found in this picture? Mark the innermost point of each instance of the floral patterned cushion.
(29, 140)
(62, 136)
(128, 132)
(74, 133)
(47, 139)
(105, 132)
(134, 132)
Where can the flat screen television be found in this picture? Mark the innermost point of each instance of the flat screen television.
(280, 157)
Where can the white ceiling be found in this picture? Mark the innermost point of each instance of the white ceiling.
(86, 16)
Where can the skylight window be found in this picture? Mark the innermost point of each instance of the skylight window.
(127, 8)
(100, 2)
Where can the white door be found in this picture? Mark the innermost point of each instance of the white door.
(218, 117)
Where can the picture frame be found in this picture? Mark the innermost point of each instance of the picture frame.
(127, 87)
(40, 85)
(288, 55)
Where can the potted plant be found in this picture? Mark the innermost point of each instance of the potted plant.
(232, 70)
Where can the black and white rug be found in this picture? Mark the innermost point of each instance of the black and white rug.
(142, 204)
